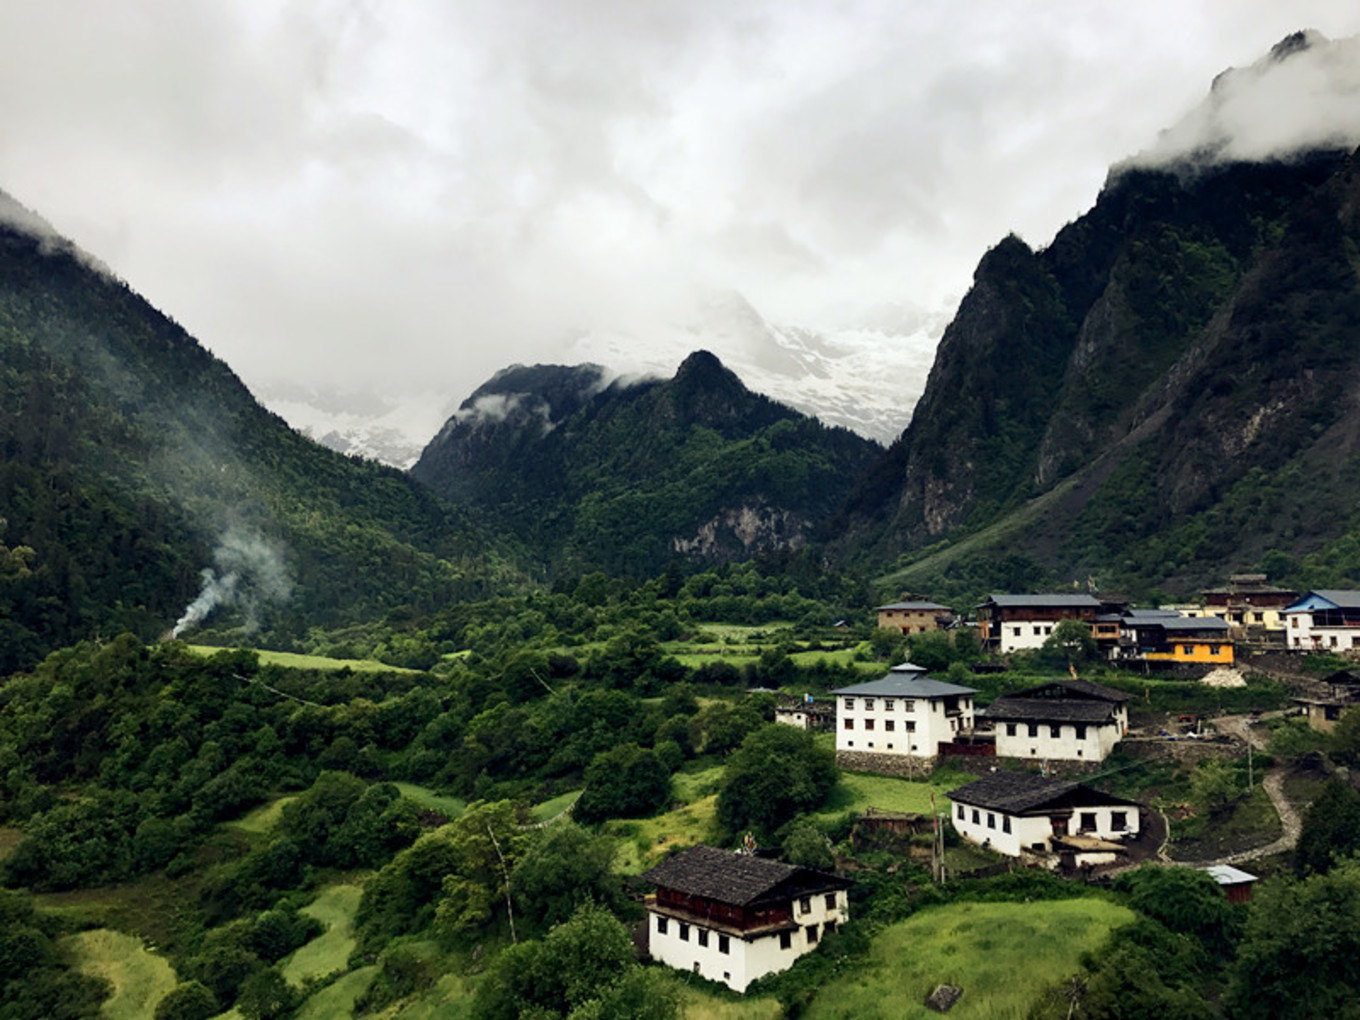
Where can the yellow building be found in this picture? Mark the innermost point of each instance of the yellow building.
(914, 617)
(1203, 641)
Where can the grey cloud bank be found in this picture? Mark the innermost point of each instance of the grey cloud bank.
(352, 194)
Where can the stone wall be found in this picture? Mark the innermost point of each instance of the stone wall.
(899, 766)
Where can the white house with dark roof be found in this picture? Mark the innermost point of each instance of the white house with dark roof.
(1020, 812)
(1323, 620)
(1012, 623)
(1068, 720)
(903, 714)
(733, 918)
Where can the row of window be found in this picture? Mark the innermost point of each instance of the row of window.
(701, 935)
(805, 903)
(1012, 730)
(786, 937)
(851, 743)
(889, 725)
(1119, 820)
(908, 704)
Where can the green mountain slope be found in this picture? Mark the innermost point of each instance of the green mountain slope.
(131, 459)
(623, 477)
(1172, 379)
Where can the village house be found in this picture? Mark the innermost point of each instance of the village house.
(734, 917)
(1164, 638)
(1331, 698)
(1236, 884)
(1067, 720)
(1324, 620)
(1017, 813)
(1250, 606)
(914, 617)
(901, 716)
(1013, 623)
(806, 714)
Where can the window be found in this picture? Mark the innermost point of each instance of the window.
(785, 940)
(1119, 821)
(887, 704)
(684, 932)
(1036, 631)
(1055, 732)
(958, 808)
(849, 703)
(991, 820)
(724, 944)
(849, 724)
(909, 726)
(1081, 731)
(1033, 729)
(1048, 630)
(977, 818)
(1333, 640)
(1010, 729)
(868, 704)
(1088, 821)
(696, 966)
(661, 926)
(1017, 631)
(811, 934)
(908, 706)
(830, 901)
(830, 926)
(890, 725)
(805, 905)
(1005, 823)
(868, 724)
(703, 936)
(1213, 649)
(1293, 621)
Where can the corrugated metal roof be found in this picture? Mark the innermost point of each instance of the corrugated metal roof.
(916, 605)
(905, 687)
(1038, 601)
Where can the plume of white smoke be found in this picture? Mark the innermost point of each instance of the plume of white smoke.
(250, 574)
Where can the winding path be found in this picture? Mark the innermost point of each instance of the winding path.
(1273, 783)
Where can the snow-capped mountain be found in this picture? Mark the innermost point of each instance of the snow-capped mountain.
(866, 379)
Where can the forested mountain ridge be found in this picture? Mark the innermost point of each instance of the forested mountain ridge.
(1169, 378)
(129, 455)
(623, 476)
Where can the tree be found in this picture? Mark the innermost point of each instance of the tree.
(777, 773)
(264, 995)
(1215, 786)
(485, 844)
(189, 1001)
(805, 844)
(564, 868)
(626, 782)
(1185, 900)
(1331, 829)
(1300, 957)
(1071, 642)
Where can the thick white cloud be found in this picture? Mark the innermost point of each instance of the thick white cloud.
(357, 193)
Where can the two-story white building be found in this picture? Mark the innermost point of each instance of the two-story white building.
(904, 714)
(1020, 812)
(1013, 623)
(1323, 621)
(1068, 720)
(733, 917)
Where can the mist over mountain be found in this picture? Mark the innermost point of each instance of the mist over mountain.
(591, 472)
(1163, 394)
(139, 478)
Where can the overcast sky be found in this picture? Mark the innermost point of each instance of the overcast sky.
(351, 192)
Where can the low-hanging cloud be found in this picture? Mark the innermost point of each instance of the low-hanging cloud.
(250, 576)
(1302, 96)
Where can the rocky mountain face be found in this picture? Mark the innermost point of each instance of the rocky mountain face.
(592, 474)
(1167, 390)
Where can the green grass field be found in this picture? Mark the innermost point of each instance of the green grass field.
(687, 787)
(262, 819)
(550, 809)
(451, 807)
(642, 843)
(337, 998)
(139, 979)
(1003, 955)
(699, 1004)
(448, 999)
(329, 952)
(318, 662)
(859, 791)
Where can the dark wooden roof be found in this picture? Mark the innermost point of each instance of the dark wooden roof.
(1018, 792)
(1077, 710)
(1065, 601)
(1075, 688)
(734, 878)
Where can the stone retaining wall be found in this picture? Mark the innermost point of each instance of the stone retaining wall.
(899, 766)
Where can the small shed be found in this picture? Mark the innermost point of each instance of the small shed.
(1235, 882)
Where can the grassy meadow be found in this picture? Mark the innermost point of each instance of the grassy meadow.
(329, 952)
(294, 660)
(1003, 955)
(139, 979)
